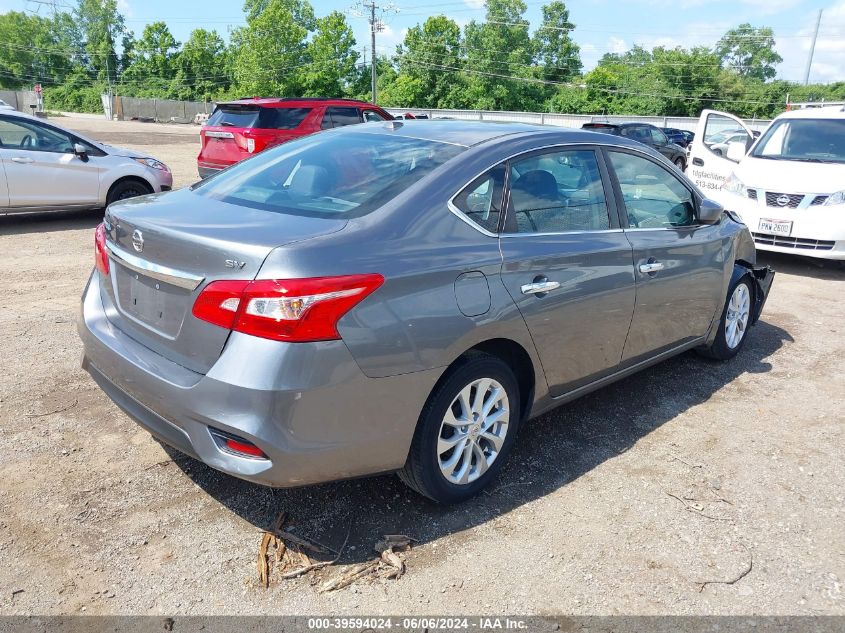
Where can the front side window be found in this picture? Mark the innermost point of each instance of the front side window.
(808, 140)
(328, 175)
(658, 137)
(33, 137)
(481, 200)
(556, 192)
(654, 197)
(372, 115)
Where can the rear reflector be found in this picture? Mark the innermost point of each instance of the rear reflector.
(101, 255)
(237, 445)
(294, 310)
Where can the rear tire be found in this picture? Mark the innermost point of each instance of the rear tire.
(735, 322)
(450, 461)
(125, 189)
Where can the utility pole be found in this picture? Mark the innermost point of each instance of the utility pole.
(373, 14)
(812, 49)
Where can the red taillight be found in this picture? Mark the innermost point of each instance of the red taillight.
(101, 256)
(295, 310)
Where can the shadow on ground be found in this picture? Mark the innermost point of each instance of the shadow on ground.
(550, 452)
(802, 266)
(48, 222)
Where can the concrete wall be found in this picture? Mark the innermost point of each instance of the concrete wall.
(162, 110)
(19, 99)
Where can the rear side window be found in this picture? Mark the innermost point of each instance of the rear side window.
(481, 200)
(328, 175)
(337, 116)
(282, 118)
(556, 192)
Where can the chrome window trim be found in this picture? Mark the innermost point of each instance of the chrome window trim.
(462, 216)
(168, 275)
(549, 234)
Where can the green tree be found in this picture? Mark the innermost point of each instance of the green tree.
(203, 66)
(750, 51)
(154, 54)
(101, 27)
(270, 51)
(332, 58)
(429, 61)
(554, 49)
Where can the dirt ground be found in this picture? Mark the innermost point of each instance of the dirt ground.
(691, 488)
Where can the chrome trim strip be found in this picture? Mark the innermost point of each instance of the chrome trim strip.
(462, 216)
(573, 232)
(171, 276)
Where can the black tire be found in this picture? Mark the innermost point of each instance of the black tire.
(720, 349)
(680, 163)
(422, 469)
(125, 189)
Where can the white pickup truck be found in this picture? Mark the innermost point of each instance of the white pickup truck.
(788, 186)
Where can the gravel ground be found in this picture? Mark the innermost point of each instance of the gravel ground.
(652, 496)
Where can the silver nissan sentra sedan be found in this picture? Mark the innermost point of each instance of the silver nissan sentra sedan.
(401, 296)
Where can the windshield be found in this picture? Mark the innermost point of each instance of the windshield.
(328, 174)
(810, 140)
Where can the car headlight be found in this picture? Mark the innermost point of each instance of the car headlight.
(836, 198)
(152, 162)
(734, 185)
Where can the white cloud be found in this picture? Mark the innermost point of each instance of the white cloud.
(830, 48)
(617, 45)
(124, 8)
(770, 7)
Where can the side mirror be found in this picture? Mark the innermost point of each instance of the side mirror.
(736, 151)
(709, 211)
(80, 150)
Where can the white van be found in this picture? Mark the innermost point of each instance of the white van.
(788, 186)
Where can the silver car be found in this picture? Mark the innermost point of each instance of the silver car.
(44, 167)
(403, 296)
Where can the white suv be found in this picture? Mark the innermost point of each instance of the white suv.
(44, 167)
(788, 187)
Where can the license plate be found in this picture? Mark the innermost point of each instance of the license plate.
(147, 302)
(774, 227)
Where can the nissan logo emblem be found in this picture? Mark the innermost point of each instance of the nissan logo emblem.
(137, 240)
(782, 200)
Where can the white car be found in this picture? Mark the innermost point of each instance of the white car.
(788, 186)
(44, 167)
(5, 106)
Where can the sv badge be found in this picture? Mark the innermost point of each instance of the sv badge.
(234, 263)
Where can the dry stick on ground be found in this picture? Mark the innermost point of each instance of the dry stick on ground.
(42, 415)
(304, 570)
(344, 580)
(307, 543)
(745, 572)
(263, 563)
(689, 508)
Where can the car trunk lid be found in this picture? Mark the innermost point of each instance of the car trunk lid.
(164, 249)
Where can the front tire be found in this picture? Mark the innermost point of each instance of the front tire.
(126, 189)
(465, 431)
(735, 322)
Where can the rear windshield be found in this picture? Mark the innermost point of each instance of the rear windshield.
(328, 175)
(258, 117)
(806, 140)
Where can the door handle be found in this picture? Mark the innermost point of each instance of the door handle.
(22, 160)
(698, 162)
(541, 286)
(651, 267)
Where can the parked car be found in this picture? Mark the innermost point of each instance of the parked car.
(678, 137)
(238, 129)
(5, 106)
(46, 167)
(646, 134)
(403, 296)
(788, 186)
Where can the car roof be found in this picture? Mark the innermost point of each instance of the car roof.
(826, 112)
(470, 133)
(292, 102)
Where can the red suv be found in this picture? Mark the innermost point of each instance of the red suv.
(239, 129)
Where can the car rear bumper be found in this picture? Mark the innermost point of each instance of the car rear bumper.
(817, 231)
(209, 169)
(307, 406)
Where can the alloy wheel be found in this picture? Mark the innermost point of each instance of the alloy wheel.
(473, 431)
(736, 319)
